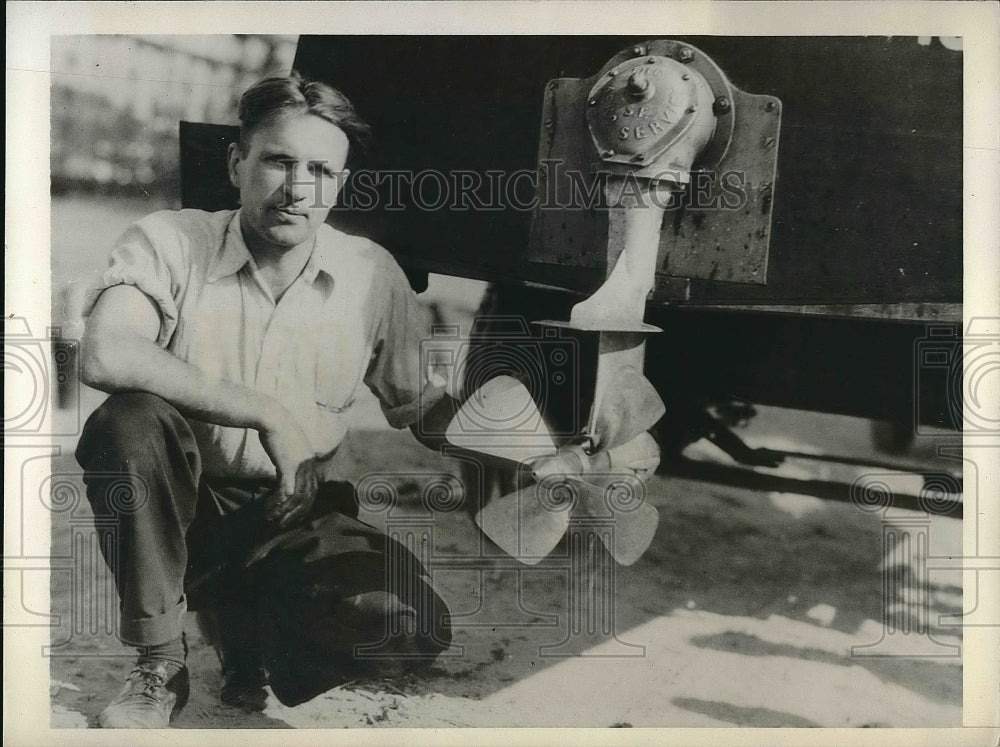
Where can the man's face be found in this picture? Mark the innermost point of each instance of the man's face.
(288, 179)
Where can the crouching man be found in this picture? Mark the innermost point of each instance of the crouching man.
(232, 345)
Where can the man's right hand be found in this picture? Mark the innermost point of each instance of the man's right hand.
(295, 461)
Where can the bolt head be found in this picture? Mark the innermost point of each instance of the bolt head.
(685, 54)
(608, 153)
(722, 105)
(592, 102)
(686, 76)
(638, 83)
(638, 51)
(770, 106)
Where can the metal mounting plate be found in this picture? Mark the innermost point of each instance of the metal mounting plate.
(719, 226)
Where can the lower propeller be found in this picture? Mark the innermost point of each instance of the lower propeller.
(601, 487)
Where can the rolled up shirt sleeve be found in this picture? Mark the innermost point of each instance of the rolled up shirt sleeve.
(405, 379)
(147, 256)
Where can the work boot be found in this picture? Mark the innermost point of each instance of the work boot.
(243, 681)
(235, 636)
(153, 692)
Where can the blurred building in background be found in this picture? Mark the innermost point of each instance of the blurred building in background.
(117, 100)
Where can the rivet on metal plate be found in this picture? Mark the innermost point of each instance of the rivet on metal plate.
(722, 105)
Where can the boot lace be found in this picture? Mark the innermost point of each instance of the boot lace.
(146, 682)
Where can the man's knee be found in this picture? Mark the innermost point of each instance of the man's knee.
(128, 427)
(138, 452)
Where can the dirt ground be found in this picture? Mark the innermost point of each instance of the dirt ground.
(746, 609)
(743, 611)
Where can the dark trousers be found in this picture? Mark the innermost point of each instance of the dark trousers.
(329, 593)
(162, 525)
(142, 469)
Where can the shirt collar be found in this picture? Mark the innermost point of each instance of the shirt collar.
(234, 254)
(322, 258)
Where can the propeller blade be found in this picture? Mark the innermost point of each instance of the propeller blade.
(634, 533)
(528, 523)
(621, 500)
(502, 420)
(628, 408)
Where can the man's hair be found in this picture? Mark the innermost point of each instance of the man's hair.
(271, 98)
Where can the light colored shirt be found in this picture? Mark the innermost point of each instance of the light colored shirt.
(349, 317)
